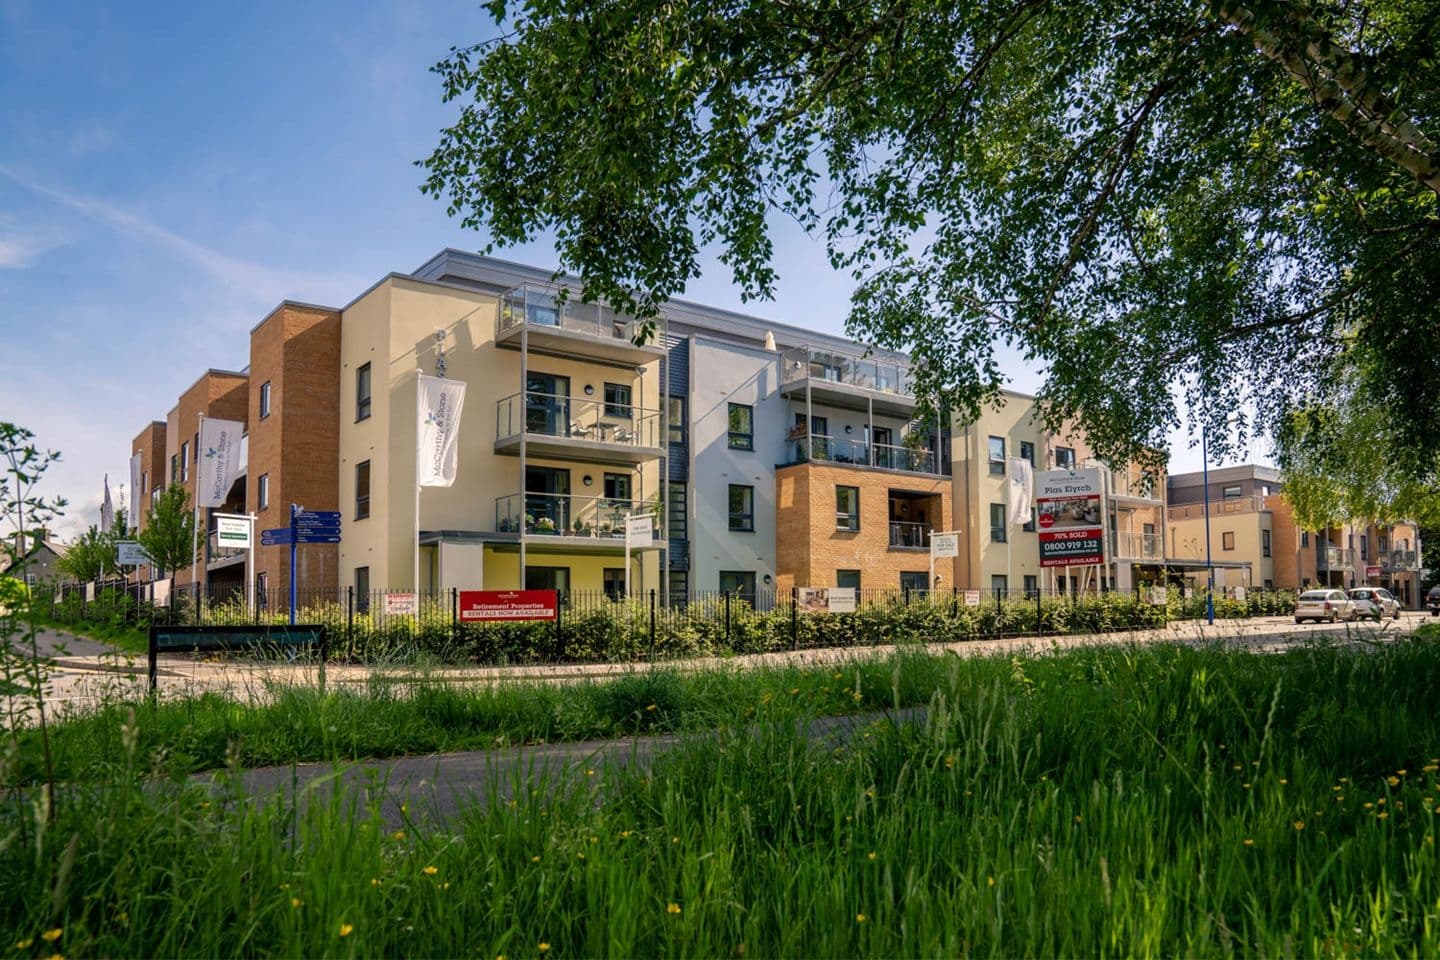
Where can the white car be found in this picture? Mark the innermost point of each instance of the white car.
(1375, 602)
(1320, 605)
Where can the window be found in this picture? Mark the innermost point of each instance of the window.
(1304, 539)
(1032, 585)
(914, 581)
(1064, 457)
(362, 589)
(997, 522)
(1264, 543)
(847, 508)
(1029, 525)
(184, 461)
(174, 467)
(997, 456)
(613, 579)
(1027, 452)
(1364, 546)
(362, 490)
(617, 400)
(739, 582)
(145, 484)
(1381, 543)
(617, 488)
(1231, 492)
(1269, 584)
(264, 399)
(675, 513)
(362, 393)
(742, 427)
(548, 578)
(262, 589)
(679, 588)
(999, 584)
(262, 491)
(675, 413)
(847, 578)
(1227, 541)
(196, 447)
(742, 507)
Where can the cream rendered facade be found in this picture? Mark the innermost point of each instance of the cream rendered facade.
(393, 328)
(1242, 541)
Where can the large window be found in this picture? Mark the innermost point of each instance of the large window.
(997, 522)
(184, 461)
(262, 492)
(847, 508)
(741, 583)
(742, 427)
(1364, 547)
(617, 489)
(262, 589)
(1032, 585)
(1029, 525)
(617, 400)
(999, 584)
(1027, 452)
(362, 589)
(1064, 457)
(264, 399)
(174, 468)
(1265, 543)
(997, 456)
(1231, 492)
(675, 513)
(847, 578)
(548, 578)
(914, 581)
(1304, 538)
(362, 393)
(742, 507)
(675, 413)
(1227, 541)
(362, 490)
(613, 580)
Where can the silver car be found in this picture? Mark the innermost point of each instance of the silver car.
(1375, 602)
(1320, 605)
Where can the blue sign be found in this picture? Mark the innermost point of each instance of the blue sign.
(278, 537)
(303, 537)
(318, 516)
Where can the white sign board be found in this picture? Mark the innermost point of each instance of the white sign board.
(639, 531)
(972, 598)
(842, 599)
(1158, 596)
(397, 604)
(1239, 593)
(129, 553)
(232, 532)
(825, 599)
(943, 545)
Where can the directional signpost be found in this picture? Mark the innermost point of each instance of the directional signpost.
(306, 526)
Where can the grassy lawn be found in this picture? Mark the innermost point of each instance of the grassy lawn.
(1106, 801)
(128, 639)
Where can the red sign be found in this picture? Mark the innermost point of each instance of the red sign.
(482, 605)
(1065, 548)
(1371, 572)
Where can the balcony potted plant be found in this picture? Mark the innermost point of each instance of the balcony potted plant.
(579, 526)
(544, 525)
(529, 522)
(604, 528)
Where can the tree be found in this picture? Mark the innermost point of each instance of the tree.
(1236, 202)
(169, 532)
(90, 557)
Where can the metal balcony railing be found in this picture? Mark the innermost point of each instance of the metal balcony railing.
(1399, 561)
(1137, 546)
(567, 515)
(843, 450)
(1335, 558)
(555, 415)
(911, 535)
(1218, 508)
(882, 376)
(540, 306)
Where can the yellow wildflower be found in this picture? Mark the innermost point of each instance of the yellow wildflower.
(1368, 806)
(1381, 816)
(990, 881)
(1299, 824)
(296, 903)
(544, 947)
(1401, 772)
(1237, 767)
(794, 690)
(1077, 818)
(50, 936)
(673, 908)
(24, 944)
(535, 859)
(430, 870)
(651, 708)
(871, 855)
(374, 881)
(589, 773)
(398, 835)
(1393, 781)
(1245, 785)
(860, 918)
(1283, 781)
(345, 929)
(674, 839)
(1249, 842)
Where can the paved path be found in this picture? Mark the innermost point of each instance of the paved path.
(82, 680)
(438, 789)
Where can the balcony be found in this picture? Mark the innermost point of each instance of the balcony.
(850, 382)
(217, 557)
(1399, 561)
(1334, 558)
(576, 429)
(909, 536)
(569, 523)
(1137, 546)
(846, 452)
(571, 329)
(1218, 508)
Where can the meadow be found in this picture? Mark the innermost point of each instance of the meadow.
(1098, 802)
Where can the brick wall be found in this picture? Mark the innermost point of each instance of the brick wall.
(154, 465)
(219, 394)
(809, 548)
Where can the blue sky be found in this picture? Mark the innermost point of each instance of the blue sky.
(170, 172)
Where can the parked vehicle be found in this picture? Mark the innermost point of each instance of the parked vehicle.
(1376, 602)
(1320, 605)
(1432, 600)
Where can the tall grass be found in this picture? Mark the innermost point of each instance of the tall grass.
(1100, 802)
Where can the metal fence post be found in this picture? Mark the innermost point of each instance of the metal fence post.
(350, 622)
(455, 614)
(1039, 612)
(727, 616)
(954, 602)
(794, 617)
(907, 596)
(652, 624)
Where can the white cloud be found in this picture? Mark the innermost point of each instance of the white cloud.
(21, 246)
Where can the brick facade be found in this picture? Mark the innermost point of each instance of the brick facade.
(810, 548)
(221, 394)
(150, 444)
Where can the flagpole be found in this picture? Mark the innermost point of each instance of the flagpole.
(418, 374)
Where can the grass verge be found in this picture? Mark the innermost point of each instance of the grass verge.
(126, 638)
(1106, 801)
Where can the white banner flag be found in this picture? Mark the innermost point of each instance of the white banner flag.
(438, 430)
(107, 509)
(1022, 491)
(135, 498)
(219, 461)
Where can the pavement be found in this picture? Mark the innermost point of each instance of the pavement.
(82, 673)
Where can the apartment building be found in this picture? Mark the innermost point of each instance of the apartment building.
(997, 556)
(149, 445)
